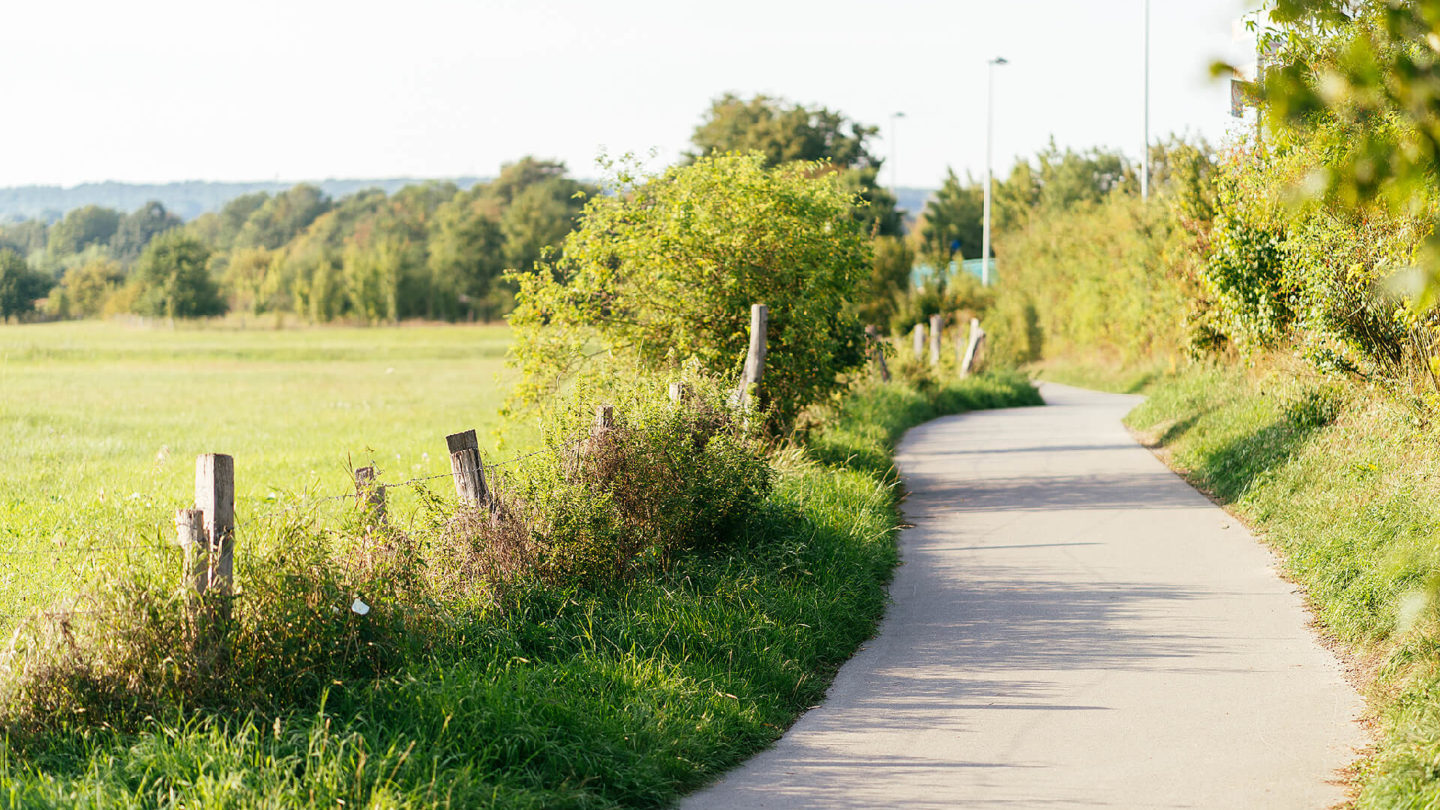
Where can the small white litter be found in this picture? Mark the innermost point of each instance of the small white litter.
(360, 607)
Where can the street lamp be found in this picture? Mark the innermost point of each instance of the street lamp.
(894, 161)
(1145, 153)
(989, 138)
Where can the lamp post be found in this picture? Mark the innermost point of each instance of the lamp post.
(894, 160)
(989, 138)
(1145, 153)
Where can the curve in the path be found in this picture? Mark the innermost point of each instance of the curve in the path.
(1072, 626)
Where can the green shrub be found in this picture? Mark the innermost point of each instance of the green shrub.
(665, 271)
(605, 503)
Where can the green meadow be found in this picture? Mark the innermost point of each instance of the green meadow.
(100, 424)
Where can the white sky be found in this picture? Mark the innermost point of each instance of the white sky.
(153, 91)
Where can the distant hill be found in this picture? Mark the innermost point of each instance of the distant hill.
(188, 199)
(191, 198)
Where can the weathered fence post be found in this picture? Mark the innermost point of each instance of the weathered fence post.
(937, 326)
(604, 418)
(679, 392)
(215, 496)
(918, 338)
(872, 334)
(190, 531)
(369, 494)
(466, 466)
(755, 357)
(972, 350)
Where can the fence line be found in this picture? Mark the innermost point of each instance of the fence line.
(205, 533)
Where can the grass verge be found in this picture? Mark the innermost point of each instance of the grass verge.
(1345, 485)
(623, 697)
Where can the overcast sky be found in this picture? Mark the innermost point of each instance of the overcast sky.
(149, 91)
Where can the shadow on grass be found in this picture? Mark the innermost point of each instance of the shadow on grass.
(1230, 470)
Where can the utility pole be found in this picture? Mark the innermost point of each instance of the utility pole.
(894, 157)
(989, 172)
(1145, 153)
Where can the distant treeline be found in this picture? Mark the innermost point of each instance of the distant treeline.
(186, 199)
(433, 250)
(428, 250)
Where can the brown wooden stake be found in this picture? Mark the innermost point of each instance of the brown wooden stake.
(877, 347)
(215, 496)
(604, 418)
(190, 531)
(370, 495)
(755, 357)
(466, 466)
(937, 326)
(976, 336)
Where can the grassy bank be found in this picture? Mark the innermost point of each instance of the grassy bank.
(623, 696)
(1345, 485)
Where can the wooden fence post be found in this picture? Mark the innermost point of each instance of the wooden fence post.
(679, 392)
(215, 496)
(604, 418)
(190, 531)
(466, 466)
(976, 336)
(369, 494)
(872, 334)
(937, 326)
(755, 357)
(918, 339)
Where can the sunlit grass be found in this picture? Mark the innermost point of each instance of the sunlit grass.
(100, 424)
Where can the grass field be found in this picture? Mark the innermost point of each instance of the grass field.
(622, 696)
(100, 425)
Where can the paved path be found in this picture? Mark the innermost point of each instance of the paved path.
(1072, 626)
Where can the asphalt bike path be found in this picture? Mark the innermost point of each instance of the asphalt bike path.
(1072, 625)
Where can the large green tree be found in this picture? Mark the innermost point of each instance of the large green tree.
(19, 285)
(785, 132)
(82, 227)
(174, 278)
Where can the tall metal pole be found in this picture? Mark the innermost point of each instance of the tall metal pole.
(1145, 153)
(989, 172)
(894, 156)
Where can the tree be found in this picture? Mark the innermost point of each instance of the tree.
(537, 205)
(953, 221)
(137, 229)
(464, 258)
(174, 278)
(890, 272)
(1362, 79)
(90, 225)
(785, 132)
(19, 286)
(281, 217)
(665, 272)
(86, 288)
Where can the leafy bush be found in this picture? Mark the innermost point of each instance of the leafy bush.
(666, 270)
(606, 503)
